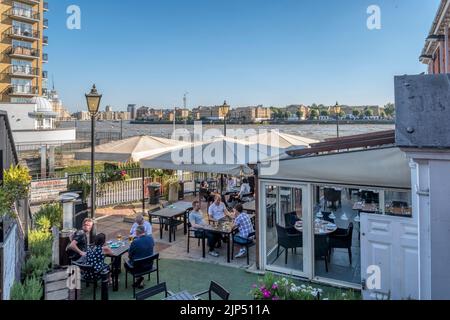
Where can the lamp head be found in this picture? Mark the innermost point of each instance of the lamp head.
(93, 99)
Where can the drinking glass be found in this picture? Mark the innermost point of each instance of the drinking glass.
(119, 237)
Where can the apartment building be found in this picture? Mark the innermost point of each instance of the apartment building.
(435, 53)
(297, 109)
(211, 113)
(22, 26)
(183, 113)
(251, 114)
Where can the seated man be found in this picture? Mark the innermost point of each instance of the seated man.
(244, 224)
(140, 221)
(217, 210)
(78, 246)
(196, 220)
(140, 248)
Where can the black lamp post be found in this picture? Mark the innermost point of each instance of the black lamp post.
(337, 112)
(93, 102)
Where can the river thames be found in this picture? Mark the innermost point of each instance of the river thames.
(313, 131)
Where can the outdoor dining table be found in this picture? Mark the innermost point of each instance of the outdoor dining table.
(224, 229)
(116, 259)
(184, 295)
(171, 213)
(320, 227)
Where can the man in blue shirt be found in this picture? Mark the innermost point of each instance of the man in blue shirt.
(141, 247)
(197, 222)
(140, 221)
(245, 226)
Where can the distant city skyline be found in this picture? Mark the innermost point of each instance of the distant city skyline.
(271, 53)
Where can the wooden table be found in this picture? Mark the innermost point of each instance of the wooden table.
(184, 295)
(319, 230)
(226, 231)
(171, 213)
(116, 261)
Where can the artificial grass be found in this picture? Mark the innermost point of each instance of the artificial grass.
(191, 276)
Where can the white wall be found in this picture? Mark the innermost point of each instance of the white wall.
(44, 136)
(18, 115)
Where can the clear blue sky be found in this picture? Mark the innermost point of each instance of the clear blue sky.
(249, 52)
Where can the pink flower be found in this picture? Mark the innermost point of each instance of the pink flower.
(266, 294)
(274, 286)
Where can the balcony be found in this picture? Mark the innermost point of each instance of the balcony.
(45, 57)
(24, 52)
(23, 71)
(45, 74)
(27, 1)
(45, 40)
(23, 14)
(45, 23)
(45, 6)
(23, 90)
(23, 33)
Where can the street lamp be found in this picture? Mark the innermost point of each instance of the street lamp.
(337, 110)
(93, 99)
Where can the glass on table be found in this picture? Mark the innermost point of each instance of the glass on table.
(119, 237)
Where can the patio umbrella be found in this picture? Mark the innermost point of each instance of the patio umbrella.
(131, 149)
(281, 140)
(222, 155)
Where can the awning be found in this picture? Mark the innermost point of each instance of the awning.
(383, 167)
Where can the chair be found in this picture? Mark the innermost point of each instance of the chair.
(247, 244)
(141, 267)
(98, 276)
(321, 248)
(288, 238)
(153, 291)
(196, 234)
(216, 288)
(342, 239)
(333, 196)
(326, 217)
(290, 219)
(156, 220)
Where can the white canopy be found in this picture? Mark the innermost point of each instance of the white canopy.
(384, 167)
(131, 149)
(222, 155)
(282, 140)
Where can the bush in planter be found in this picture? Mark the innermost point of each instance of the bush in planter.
(36, 266)
(16, 180)
(6, 203)
(31, 289)
(49, 214)
(80, 185)
(40, 243)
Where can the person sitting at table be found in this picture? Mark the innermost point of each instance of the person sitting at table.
(79, 242)
(141, 247)
(95, 256)
(197, 222)
(140, 221)
(243, 223)
(244, 192)
(217, 210)
(205, 192)
(231, 183)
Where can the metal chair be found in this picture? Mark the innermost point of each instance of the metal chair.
(153, 291)
(249, 243)
(97, 276)
(215, 288)
(288, 239)
(141, 267)
(196, 234)
(342, 239)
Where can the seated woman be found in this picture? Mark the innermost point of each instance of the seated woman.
(95, 256)
(243, 193)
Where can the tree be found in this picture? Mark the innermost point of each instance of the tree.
(383, 114)
(324, 113)
(341, 114)
(314, 106)
(356, 113)
(368, 113)
(314, 114)
(299, 114)
(389, 109)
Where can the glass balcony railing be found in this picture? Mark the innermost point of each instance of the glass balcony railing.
(24, 14)
(46, 23)
(45, 5)
(23, 90)
(45, 57)
(23, 33)
(45, 74)
(45, 40)
(22, 52)
(24, 71)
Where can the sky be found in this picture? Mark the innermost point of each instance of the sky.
(247, 52)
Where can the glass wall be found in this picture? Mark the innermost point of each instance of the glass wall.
(284, 228)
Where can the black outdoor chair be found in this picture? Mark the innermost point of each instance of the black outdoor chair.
(321, 248)
(333, 196)
(97, 276)
(196, 234)
(155, 220)
(247, 244)
(141, 267)
(153, 291)
(288, 238)
(216, 288)
(290, 219)
(342, 239)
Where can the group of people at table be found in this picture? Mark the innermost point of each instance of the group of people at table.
(235, 194)
(142, 244)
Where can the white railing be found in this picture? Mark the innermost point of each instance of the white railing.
(119, 192)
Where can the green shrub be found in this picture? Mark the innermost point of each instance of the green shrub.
(31, 289)
(80, 185)
(39, 242)
(17, 181)
(36, 266)
(49, 214)
(6, 202)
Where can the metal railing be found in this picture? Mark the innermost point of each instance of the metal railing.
(17, 89)
(23, 32)
(24, 51)
(24, 70)
(23, 13)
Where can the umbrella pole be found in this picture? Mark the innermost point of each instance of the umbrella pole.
(143, 190)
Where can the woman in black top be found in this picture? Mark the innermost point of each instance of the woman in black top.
(95, 257)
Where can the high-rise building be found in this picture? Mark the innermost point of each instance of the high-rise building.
(22, 27)
(132, 111)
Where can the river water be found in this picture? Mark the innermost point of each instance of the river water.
(313, 131)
